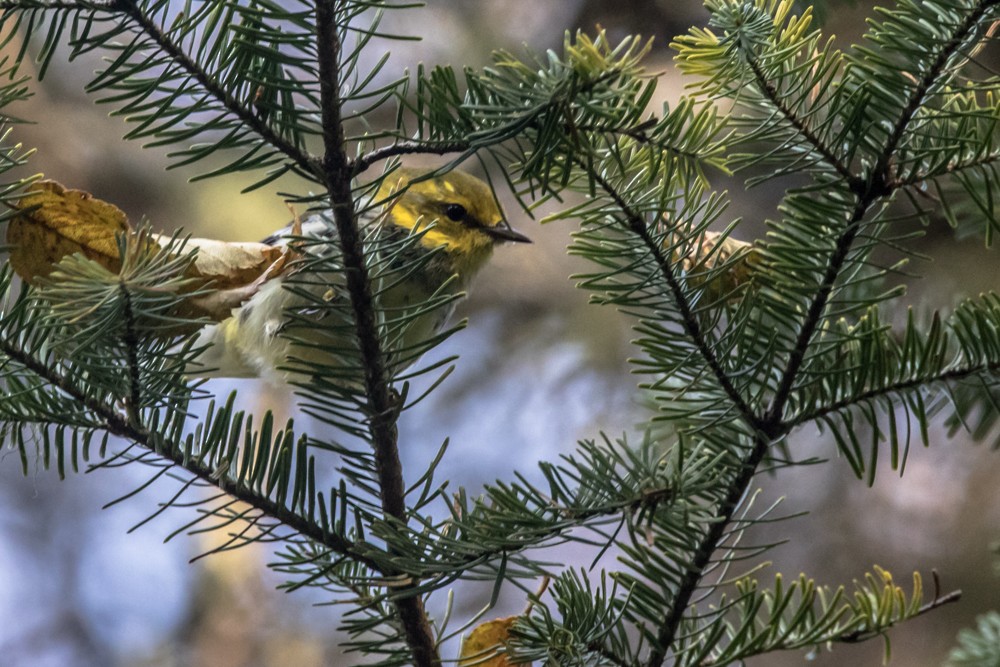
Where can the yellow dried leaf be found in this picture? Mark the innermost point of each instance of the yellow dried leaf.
(484, 640)
(231, 264)
(714, 250)
(234, 287)
(58, 222)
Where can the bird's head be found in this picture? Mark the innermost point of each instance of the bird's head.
(455, 211)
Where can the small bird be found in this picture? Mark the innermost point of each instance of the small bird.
(457, 222)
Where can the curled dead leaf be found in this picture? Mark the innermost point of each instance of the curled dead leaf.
(235, 274)
(56, 222)
(716, 249)
(230, 264)
(481, 646)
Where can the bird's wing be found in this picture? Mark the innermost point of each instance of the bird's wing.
(316, 226)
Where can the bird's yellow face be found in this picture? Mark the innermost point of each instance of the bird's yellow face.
(460, 210)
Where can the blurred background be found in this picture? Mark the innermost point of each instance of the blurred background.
(540, 369)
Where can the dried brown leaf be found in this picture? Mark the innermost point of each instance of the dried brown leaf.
(715, 250)
(485, 639)
(57, 222)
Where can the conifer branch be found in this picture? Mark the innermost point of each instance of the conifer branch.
(116, 423)
(705, 550)
(571, 518)
(882, 168)
(877, 187)
(771, 427)
(608, 656)
(383, 407)
(772, 420)
(130, 339)
(860, 635)
(737, 489)
(951, 375)
(637, 225)
(947, 170)
(307, 164)
(636, 133)
(851, 637)
(801, 127)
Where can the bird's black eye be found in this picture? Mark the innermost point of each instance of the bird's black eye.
(455, 212)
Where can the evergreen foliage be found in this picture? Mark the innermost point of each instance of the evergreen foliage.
(92, 372)
(979, 646)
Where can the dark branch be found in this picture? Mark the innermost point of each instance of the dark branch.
(706, 548)
(508, 130)
(363, 163)
(952, 375)
(857, 636)
(773, 419)
(987, 161)
(852, 637)
(692, 327)
(564, 519)
(130, 339)
(382, 409)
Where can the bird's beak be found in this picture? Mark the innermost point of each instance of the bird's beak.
(502, 231)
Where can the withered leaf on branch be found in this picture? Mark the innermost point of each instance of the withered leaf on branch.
(480, 647)
(235, 271)
(56, 222)
(714, 250)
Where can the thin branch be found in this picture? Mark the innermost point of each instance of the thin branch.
(861, 635)
(130, 339)
(948, 170)
(383, 408)
(364, 162)
(952, 375)
(572, 519)
(692, 327)
(637, 133)
(519, 122)
(772, 421)
(706, 548)
(800, 126)
(608, 655)
(117, 424)
(852, 637)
